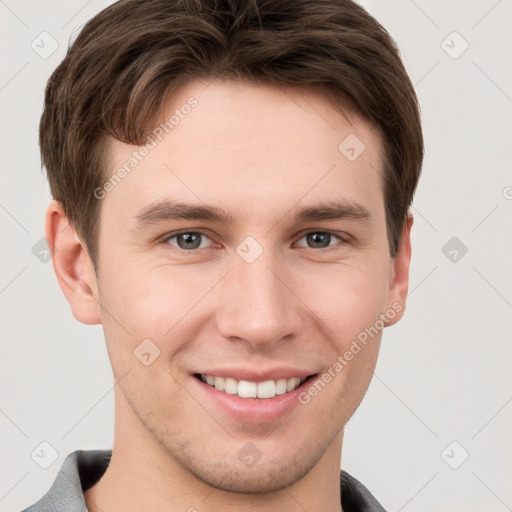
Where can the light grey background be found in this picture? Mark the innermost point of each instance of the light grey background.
(444, 370)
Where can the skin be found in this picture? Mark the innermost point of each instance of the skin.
(258, 152)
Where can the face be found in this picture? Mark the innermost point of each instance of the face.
(248, 248)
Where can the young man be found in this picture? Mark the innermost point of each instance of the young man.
(232, 182)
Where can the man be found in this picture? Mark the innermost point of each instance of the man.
(231, 183)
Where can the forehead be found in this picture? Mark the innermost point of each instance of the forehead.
(250, 144)
(238, 112)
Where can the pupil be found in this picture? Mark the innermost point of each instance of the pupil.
(190, 240)
(319, 239)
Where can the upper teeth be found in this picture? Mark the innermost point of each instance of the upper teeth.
(247, 389)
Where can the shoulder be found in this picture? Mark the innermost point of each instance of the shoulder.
(355, 497)
(80, 470)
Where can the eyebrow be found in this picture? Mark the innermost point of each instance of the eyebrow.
(165, 210)
(348, 210)
(176, 210)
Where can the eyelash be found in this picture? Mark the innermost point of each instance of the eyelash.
(174, 235)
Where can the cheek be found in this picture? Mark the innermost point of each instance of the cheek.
(159, 302)
(144, 329)
(347, 298)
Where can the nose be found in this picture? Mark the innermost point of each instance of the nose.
(258, 305)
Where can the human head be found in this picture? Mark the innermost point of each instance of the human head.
(261, 142)
(118, 72)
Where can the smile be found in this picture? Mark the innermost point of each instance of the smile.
(248, 389)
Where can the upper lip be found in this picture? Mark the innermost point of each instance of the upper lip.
(258, 375)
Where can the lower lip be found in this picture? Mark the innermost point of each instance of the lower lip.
(253, 410)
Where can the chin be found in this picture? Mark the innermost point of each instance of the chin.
(263, 477)
(272, 471)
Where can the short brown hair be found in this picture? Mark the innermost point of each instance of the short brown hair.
(129, 56)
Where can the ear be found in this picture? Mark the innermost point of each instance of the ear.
(72, 265)
(399, 282)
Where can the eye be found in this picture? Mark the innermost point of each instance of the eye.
(191, 241)
(320, 239)
(188, 240)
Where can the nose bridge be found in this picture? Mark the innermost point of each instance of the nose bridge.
(257, 306)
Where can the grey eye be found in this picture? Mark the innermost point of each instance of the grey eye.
(188, 241)
(319, 239)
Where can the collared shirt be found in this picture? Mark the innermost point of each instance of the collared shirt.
(82, 469)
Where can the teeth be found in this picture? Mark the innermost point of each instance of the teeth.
(247, 389)
(292, 383)
(231, 386)
(267, 389)
(281, 386)
(220, 383)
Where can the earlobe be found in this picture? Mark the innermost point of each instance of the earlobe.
(399, 284)
(72, 265)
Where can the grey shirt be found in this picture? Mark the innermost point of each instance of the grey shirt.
(82, 469)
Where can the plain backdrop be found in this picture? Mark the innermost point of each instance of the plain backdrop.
(433, 432)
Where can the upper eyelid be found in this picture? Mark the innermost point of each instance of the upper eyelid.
(184, 231)
(174, 234)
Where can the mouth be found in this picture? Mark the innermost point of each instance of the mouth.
(249, 389)
(253, 396)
